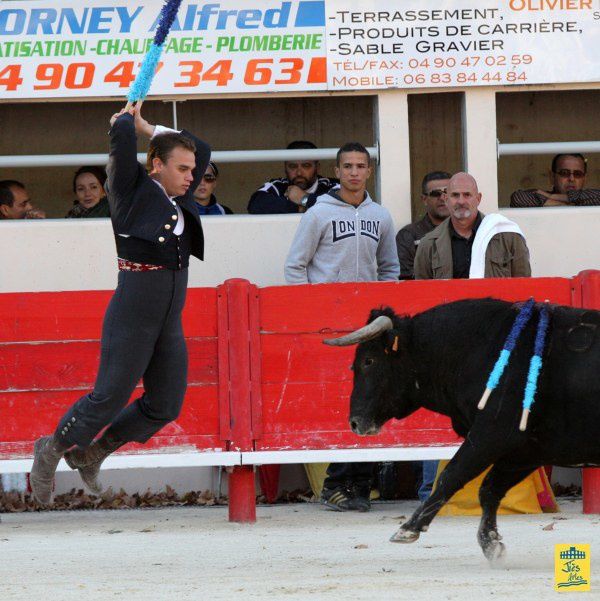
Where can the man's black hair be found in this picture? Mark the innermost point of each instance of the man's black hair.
(352, 147)
(300, 144)
(432, 176)
(568, 154)
(6, 195)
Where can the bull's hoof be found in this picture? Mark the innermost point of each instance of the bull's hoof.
(405, 536)
(493, 549)
(495, 552)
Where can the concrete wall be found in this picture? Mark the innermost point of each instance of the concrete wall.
(80, 255)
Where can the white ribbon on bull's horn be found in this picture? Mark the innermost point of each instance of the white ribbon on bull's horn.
(368, 332)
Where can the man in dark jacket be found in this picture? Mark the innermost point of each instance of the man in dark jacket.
(433, 195)
(157, 228)
(294, 193)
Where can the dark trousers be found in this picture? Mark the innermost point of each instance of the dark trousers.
(358, 474)
(142, 339)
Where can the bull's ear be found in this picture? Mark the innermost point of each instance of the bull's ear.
(393, 342)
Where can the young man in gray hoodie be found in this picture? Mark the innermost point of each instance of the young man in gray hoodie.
(345, 237)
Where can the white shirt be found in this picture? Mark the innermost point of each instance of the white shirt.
(158, 130)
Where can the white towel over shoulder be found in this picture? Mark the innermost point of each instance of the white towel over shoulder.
(490, 226)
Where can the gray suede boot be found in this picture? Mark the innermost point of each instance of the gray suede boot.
(88, 460)
(46, 455)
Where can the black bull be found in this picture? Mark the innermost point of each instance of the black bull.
(440, 359)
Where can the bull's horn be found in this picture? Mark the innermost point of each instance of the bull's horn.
(371, 330)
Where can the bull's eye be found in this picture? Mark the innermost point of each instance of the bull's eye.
(368, 362)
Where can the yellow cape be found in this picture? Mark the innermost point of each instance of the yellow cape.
(532, 495)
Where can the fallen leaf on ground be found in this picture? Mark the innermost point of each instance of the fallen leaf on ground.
(16, 502)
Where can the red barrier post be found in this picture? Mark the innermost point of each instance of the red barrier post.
(590, 299)
(242, 494)
(235, 397)
(591, 490)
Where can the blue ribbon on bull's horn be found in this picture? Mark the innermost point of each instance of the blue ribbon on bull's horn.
(519, 324)
(141, 86)
(535, 365)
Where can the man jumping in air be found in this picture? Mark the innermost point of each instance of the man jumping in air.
(157, 227)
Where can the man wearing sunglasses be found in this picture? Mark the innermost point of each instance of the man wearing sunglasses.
(297, 191)
(433, 195)
(567, 177)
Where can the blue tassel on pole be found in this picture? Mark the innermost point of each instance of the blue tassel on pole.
(165, 21)
(535, 366)
(511, 340)
(141, 86)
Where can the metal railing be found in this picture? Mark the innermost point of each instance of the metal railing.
(219, 156)
(266, 156)
(547, 148)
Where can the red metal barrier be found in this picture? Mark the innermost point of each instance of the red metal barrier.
(588, 285)
(260, 379)
(49, 352)
(306, 385)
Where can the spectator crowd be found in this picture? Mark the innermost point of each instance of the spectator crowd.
(300, 187)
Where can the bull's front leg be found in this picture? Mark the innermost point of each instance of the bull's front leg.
(467, 464)
(500, 479)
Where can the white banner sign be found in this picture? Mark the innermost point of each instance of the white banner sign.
(75, 48)
(94, 48)
(417, 43)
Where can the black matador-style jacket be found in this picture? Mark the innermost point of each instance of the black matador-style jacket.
(143, 216)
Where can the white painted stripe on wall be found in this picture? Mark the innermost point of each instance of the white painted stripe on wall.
(342, 455)
(232, 458)
(117, 462)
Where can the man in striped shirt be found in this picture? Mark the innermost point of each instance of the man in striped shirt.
(567, 177)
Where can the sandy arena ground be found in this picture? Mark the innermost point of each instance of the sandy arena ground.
(293, 552)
